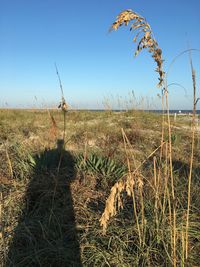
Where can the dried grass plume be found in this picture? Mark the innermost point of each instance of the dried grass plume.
(146, 41)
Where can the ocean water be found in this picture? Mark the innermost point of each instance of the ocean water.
(172, 111)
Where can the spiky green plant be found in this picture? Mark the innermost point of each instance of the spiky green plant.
(108, 170)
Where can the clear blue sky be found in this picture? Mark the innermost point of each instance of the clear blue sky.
(93, 63)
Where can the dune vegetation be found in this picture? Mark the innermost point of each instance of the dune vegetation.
(101, 188)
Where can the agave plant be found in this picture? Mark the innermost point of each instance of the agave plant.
(106, 169)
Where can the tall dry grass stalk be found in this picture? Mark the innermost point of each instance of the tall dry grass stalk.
(64, 107)
(130, 189)
(53, 129)
(63, 104)
(9, 161)
(145, 40)
(195, 100)
(171, 176)
(2, 232)
(1, 217)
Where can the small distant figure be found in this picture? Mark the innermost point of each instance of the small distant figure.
(175, 116)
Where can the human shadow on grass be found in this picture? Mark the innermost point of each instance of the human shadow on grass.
(46, 233)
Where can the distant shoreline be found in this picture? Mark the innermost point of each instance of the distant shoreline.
(172, 111)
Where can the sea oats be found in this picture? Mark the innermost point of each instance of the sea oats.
(147, 39)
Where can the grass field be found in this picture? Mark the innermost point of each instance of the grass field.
(53, 198)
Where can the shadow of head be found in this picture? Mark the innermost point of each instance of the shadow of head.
(56, 161)
(46, 233)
